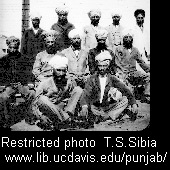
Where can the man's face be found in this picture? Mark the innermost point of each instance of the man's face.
(12, 48)
(95, 19)
(76, 41)
(62, 16)
(102, 67)
(116, 19)
(35, 22)
(50, 42)
(140, 19)
(60, 72)
(101, 41)
(128, 40)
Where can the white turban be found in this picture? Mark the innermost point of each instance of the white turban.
(62, 9)
(50, 33)
(127, 31)
(58, 61)
(116, 13)
(74, 33)
(94, 12)
(103, 57)
(35, 15)
(101, 34)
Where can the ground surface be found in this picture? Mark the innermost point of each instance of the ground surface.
(142, 122)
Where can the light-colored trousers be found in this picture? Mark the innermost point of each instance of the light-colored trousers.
(43, 106)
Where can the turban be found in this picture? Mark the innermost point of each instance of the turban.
(127, 31)
(36, 15)
(74, 33)
(103, 57)
(116, 13)
(13, 40)
(50, 33)
(139, 11)
(94, 12)
(62, 9)
(101, 34)
(58, 61)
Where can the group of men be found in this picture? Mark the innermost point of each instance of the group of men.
(77, 78)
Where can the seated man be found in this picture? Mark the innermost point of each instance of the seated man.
(101, 37)
(14, 78)
(57, 97)
(104, 95)
(77, 58)
(41, 69)
(126, 57)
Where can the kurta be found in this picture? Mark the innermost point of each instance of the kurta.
(88, 39)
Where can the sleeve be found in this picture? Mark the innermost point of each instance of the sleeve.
(82, 62)
(24, 40)
(125, 91)
(37, 66)
(87, 92)
(91, 62)
(112, 63)
(40, 89)
(140, 61)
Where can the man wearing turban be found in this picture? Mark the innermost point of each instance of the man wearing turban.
(57, 97)
(114, 31)
(63, 26)
(77, 57)
(14, 78)
(41, 69)
(89, 31)
(141, 39)
(126, 57)
(101, 37)
(104, 94)
(32, 42)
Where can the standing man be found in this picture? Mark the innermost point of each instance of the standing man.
(57, 97)
(63, 27)
(141, 38)
(104, 95)
(126, 57)
(101, 37)
(32, 42)
(41, 69)
(89, 39)
(77, 57)
(114, 32)
(13, 77)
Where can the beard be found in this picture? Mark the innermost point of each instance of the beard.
(127, 44)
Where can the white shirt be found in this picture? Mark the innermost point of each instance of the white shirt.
(102, 86)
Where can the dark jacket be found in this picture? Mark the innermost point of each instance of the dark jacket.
(12, 69)
(92, 91)
(93, 64)
(31, 43)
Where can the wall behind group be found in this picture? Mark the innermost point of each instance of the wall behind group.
(11, 13)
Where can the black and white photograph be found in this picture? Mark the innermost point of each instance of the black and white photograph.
(74, 65)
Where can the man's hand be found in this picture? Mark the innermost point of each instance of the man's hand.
(84, 111)
(134, 108)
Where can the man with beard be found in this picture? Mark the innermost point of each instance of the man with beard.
(41, 69)
(13, 78)
(57, 97)
(89, 32)
(77, 57)
(126, 57)
(32, 43)
(104, 95)
(63, 27)
(114, 32)
(101, 36)
(141, 38)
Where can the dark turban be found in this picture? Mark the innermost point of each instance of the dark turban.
(139, 11)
